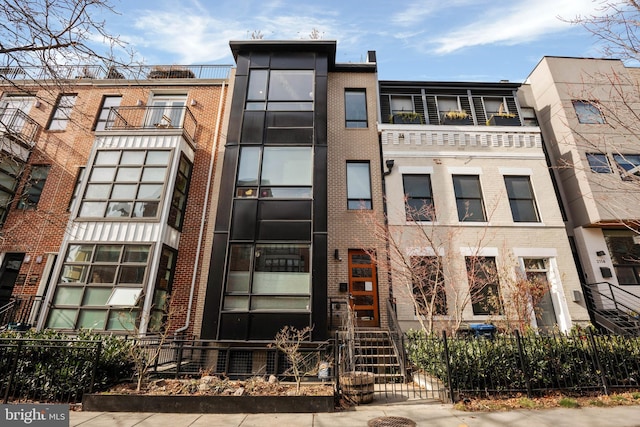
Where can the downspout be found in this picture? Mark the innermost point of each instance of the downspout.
(204, 217)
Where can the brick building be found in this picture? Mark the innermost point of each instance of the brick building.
(104, 201)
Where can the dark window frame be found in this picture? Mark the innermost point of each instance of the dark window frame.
(359, 203)
(33, 187)
(599, 163)
(426, 209)
(516, 201)
(350, 121)
(428, 281)
(61, 114)
(463, 201)
(103, 116)
(588, 112)
(179, 197)
(483, 269)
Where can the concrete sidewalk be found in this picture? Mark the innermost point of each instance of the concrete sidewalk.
(422, 413)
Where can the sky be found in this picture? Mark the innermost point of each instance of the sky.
(451, 40)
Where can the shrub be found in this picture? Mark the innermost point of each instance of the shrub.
(52, 366)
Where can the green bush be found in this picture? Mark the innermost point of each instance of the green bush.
(56, 367)
(562, 362)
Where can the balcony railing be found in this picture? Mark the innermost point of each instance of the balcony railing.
(141, 72)
(18, 126)
(161, 117)
(460, 136)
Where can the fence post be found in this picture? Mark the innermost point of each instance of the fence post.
(336, 358)
(448, 364)
(179, 360)
(96, 361)
(522, 364)
(13, 372)
(603, 377)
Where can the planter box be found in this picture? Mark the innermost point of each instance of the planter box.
(401, 119)
(206, 404)
(457, 122)
(503, 121)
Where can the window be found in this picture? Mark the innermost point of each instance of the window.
(521, 200)
(105, 120)
(494, 105)
(588, 112)
(10, 173)
(469, 198)
(624, 248)
(401, 103)
(100, 287)
(180, 191)
(419, 199)
(628, 164)
(166, 111)
(358, 186)
(355, 107)
(482, 276)
(536, 271)
(275, 172)
(33, 187)
(281, 90)
(598, 162)
(76, 187)
(12, 112)
(62, 112)
(162, 292)
(125, 184)
(428, 285)
(268, 277)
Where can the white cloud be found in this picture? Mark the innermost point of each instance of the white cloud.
(513, 23)
(415, 12)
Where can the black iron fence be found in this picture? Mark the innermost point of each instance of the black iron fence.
(529, 365)
(153, 117)
(47, 370)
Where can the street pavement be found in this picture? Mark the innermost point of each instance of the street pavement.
(422, 413)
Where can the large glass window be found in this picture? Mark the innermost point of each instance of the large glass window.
(629, 165)
(104, 121)
(598, 162)
(282, 90)
(418, 197)
(268, 277)
(125, 184)
(355, 107)
(358, 185)
(588, 112)
(469, 198)
(521, 200)
(428, 285)
(275, 172)
(62, 112)
(33, 187)
(180, 191)
(624, 248)
(484, 289)
(536, 271)
(100, 287)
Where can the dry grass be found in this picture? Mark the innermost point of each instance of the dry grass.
(556, 401)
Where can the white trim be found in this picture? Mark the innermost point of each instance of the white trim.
(515, 171)
(461, 155)
(422, 170)
(471, 251)
(535, 252)
(455, 170)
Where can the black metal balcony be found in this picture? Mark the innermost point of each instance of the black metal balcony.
(156, 117)
(18, 132)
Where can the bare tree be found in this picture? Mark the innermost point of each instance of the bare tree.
(289, 341)
(426, 269)
(615, 25)
(49, 33)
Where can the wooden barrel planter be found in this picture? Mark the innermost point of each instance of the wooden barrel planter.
(358, 386)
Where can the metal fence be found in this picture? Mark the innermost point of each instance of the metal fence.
(31, 369)
(529, 365)
(131, 72)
